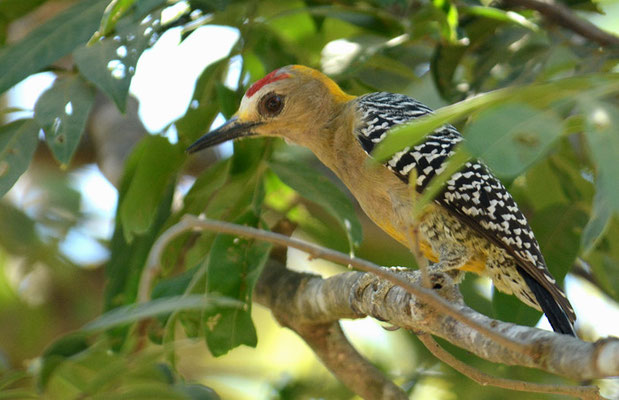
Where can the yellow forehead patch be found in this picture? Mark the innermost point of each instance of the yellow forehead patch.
(333, 87)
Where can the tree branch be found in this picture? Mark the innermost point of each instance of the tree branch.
(275, 288)
(563, 16)
(351, 295)
(584, 392)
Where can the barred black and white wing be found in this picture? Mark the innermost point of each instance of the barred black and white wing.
(473, 194)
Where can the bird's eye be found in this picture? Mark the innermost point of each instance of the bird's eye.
(271, 105)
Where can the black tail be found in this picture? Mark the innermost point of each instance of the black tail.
(556, 316)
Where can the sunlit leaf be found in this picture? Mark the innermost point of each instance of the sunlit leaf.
(449, 25)
(500, 15)
(599, 220)
(62, 112)
(110, 62)
(113, 12)
(135, 312)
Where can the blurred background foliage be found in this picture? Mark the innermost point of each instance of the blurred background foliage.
(551, 136)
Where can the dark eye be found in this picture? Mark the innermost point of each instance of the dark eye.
(271, 105)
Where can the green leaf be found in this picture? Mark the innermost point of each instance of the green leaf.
(113, 12)
(198, 392)
(601, 216)
(511, 137)
(49, 42)
(205, 186)
(110, 62)
(202, 109)
(156, 168)
(603, 260)
(18, 141)
(62, 111)
(57, 352)
(13, 9)
(602, 121)
(558, 229)
(449, 26)
(365, 18)
(509, 308)
(8, 378)
(135, 312)
(127, 259)
(233, 267)
(545, 93)
(444, 65)
(243, 188)
(501, 15)
(314, 186)
(228, 99)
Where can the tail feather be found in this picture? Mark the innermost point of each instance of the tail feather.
(556, 315)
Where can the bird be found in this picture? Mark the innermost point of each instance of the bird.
(472, 225)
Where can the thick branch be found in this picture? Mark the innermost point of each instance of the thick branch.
(563, 16)
(352, 295)
(325, 338)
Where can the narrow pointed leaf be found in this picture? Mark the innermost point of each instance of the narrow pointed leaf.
(135, 312)
(18, 141)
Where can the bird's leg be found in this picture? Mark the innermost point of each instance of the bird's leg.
(379, 288)
(452, 256)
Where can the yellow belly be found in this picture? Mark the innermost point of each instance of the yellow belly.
(476, 264)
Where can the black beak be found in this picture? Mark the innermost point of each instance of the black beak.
(232, 129)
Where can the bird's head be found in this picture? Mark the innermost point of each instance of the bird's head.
(289, 102)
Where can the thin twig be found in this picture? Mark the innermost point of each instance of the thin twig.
(583, 392)
(151, 270)
(190, 222)
(563, 16)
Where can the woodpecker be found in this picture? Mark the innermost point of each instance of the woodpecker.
(472, 225)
